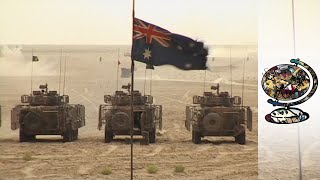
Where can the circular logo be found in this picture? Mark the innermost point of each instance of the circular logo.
(285, 82)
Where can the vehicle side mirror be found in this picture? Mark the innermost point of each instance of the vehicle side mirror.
(65, 98)
(149, 99)
(107, 98)
(25, 99)
(237, 100)
(196, 99)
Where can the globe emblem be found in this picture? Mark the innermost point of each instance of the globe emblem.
(285, 82)
(289, 85)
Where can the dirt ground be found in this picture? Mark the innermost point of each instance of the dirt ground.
(91, 75)
(215, 158)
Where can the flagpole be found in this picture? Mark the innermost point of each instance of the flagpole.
(298, 125)
(31, 68)
(131, 102)
(150, 82)
(145, 80)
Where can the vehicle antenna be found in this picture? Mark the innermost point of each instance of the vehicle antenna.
(230, 70)
(65, 69)
(60, 71)
(31, 69)
(243, 71)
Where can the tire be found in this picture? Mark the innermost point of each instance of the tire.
(108, 135)
(73, 135)
(152, 136)
(241, 138)
(67, 136)
(212, 122)
(76, 132)
(196, 137)
(145, 140)
(32, 137)
(23, 137)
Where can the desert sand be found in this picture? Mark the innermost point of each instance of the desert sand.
(87, 81)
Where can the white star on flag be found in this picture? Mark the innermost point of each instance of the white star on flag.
(147, 54)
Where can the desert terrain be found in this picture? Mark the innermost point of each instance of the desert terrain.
(87, 80)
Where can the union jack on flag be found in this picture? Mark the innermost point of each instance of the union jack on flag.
(151, 32)
(156, 46)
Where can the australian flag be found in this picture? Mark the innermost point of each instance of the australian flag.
(156, 46)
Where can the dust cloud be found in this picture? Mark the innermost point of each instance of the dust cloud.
(14, 63)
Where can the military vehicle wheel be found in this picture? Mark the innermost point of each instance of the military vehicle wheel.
(145, 140)
(152, 136)
(68, 134)
(241, 138)
(31, 137)
(196, 137)
(76, 134)
(22, 136)
(25, 138)
(73, 135)
(108, 135)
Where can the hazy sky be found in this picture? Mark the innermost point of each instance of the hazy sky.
(109, 21)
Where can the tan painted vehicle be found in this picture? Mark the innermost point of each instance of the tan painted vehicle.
(115, 116)
(47, 113)
(218, 115)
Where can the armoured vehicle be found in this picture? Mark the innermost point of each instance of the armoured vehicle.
(47, 113)
(115, 115)
(218, 114)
